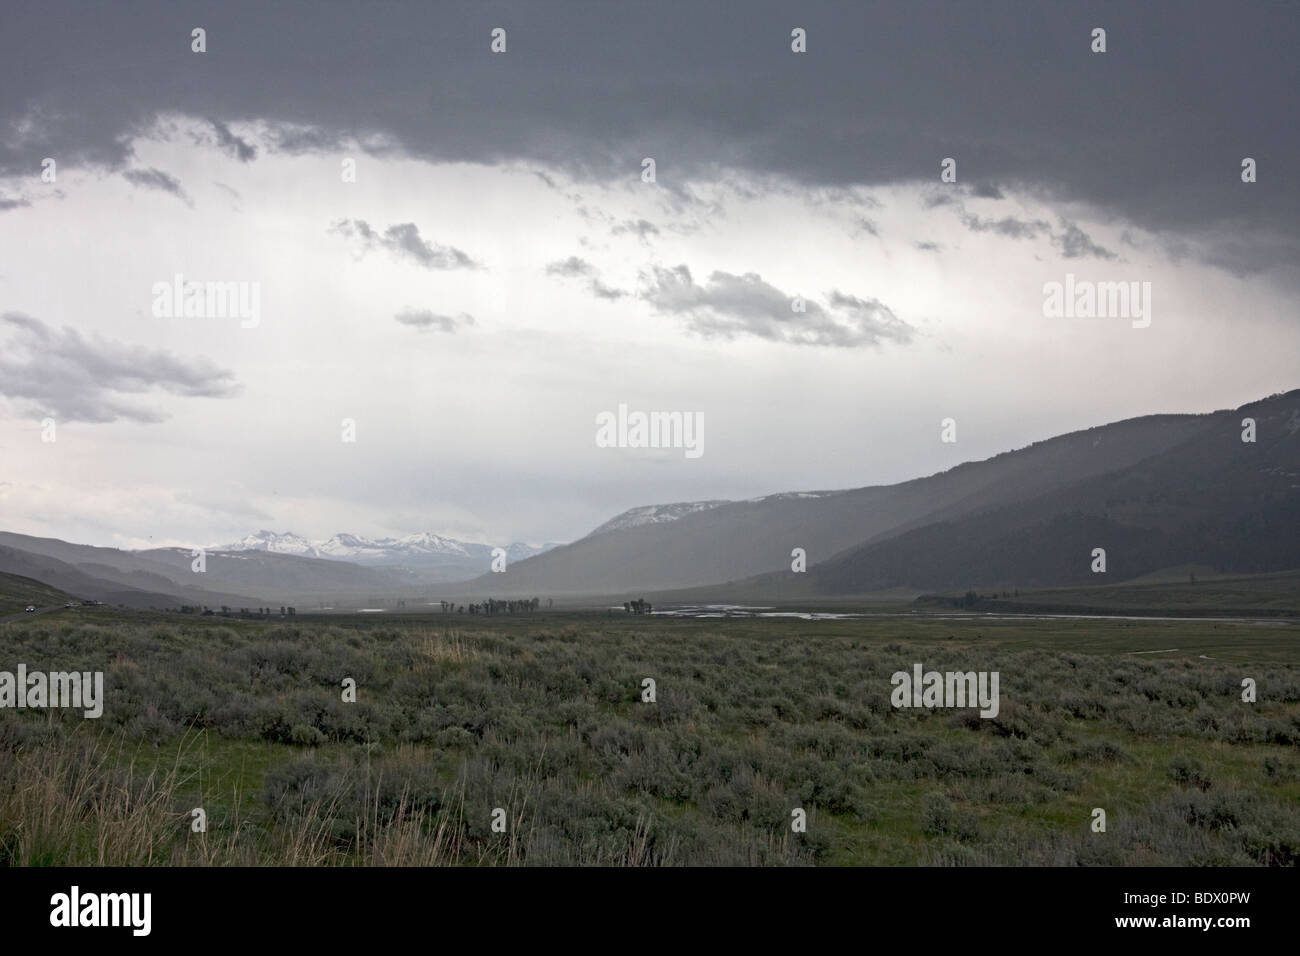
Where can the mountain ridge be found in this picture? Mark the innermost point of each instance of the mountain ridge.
(417, 549)
(1155, 492)
(734, 541)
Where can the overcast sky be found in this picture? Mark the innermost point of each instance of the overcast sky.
(499, 273)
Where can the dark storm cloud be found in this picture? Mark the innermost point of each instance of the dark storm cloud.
(425, 320)
(1153, 130)
(730, 305)
(59, 372)
(405, 242)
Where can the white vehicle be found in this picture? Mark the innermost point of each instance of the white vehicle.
(31, 609)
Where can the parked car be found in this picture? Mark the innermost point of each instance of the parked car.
(31, 609)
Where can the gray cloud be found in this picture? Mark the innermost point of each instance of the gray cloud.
(866, 225)
(1007, 226)
(156, 179)
(425, 320)
(573, 267)
(7, 204)
(241, 149)
(731, 305)
(928, 246)
(641, 227)
(295, 139)
(570, 267)
(871, 320)
(1073, 242)
(600, 290)
(404, 242)
(60, 373)
(1077, 244)
(1243, 257)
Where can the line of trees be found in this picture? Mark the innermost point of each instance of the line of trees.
(971, 598)
(490, 607)
(639, 606)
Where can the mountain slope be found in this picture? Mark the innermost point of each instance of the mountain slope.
(716, 543)
(1213, 500)
(65, 577)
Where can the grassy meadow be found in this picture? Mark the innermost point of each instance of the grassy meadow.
(541, 716)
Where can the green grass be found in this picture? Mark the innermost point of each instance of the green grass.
(541, 715)
(1171, 592)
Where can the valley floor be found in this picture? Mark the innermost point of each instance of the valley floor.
(535, 725)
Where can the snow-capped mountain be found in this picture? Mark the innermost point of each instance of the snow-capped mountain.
(656, 514)
(659, 514)
(287, 543)
(793, 495)
(423, 549)
(351, 547)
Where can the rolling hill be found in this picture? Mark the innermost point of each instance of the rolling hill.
(16, 592)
